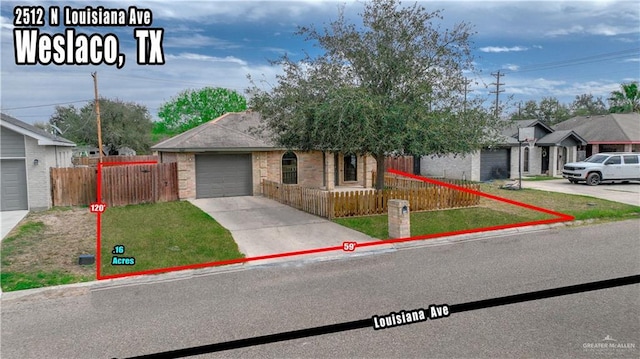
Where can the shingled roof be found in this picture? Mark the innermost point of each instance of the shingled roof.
(44, 138)
(556, 138)
(233, 131)
(611, 128)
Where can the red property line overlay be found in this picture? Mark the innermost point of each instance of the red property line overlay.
(560, 217)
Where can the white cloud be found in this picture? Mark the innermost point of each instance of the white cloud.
(566, 31)
(198, 41)
(597, 29)
(503, 49)
(511, 67)
(199, 57)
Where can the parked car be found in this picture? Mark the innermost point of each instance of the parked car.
(604, 167)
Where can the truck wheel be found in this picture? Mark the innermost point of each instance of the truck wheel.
(593, 179)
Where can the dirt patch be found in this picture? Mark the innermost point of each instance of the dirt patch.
(66, 234)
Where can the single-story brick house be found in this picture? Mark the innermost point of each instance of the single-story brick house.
(615, 132)
(27, 153)
(228, 157)
(552, 149)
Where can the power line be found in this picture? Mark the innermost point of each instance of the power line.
(579, 61)
(47, 105)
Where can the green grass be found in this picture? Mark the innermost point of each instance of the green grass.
(20, 243)
(581, 207)
(493, 213)
(437, 221)
(163, 235)
(18, 281)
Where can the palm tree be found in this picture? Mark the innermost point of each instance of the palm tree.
(626, 100)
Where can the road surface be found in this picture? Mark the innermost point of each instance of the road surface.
(137, 319)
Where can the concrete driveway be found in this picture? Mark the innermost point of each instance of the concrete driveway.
(10, 219)
(628, 193)
(262, 226)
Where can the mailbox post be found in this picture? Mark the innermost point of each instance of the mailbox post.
(399, 219)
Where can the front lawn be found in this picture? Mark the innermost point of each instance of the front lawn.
(494, 213)
(163, 235)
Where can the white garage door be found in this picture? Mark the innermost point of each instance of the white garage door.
(224, 175)
(13, 182)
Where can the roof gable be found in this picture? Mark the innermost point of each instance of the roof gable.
(556, 138)
(44, 138)
(229, 132)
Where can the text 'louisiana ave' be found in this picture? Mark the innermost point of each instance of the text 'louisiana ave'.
(404, 317)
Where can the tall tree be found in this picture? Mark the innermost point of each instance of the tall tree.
(587, 105)
(123, 124)
(191, 108)
(393, 84)
(549, 110)
(625, 100)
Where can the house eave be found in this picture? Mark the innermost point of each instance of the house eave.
(42, 141)
(218, 149)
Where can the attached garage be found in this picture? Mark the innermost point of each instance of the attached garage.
(223, 175)
(13, 178)
(495, 164)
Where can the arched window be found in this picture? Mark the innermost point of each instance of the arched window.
(525, 160)
(289, 168)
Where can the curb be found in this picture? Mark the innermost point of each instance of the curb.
(86, 287)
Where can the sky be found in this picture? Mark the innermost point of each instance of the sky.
(542, 48)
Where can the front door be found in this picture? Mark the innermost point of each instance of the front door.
(545, 160)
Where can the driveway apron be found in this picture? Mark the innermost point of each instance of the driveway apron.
(262, 226)
(9, 220)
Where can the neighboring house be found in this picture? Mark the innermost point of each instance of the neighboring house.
(616, 132)
(27, 153)
(552, 149)
(87, 151)
(227, 157)
(90, 151)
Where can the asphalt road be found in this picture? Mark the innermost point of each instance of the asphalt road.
(136, 319)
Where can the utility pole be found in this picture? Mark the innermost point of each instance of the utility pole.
(497, 91)
(95, 90)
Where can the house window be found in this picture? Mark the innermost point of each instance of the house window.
(525, 165)
(350, 168)
(289, 168)
(611, 148)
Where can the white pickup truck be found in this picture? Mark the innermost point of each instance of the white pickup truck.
(604, 167)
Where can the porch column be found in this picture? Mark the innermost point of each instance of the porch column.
(329, 167)
(553, 161)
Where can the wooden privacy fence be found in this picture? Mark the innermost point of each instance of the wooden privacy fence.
(93, 161)
(73, 186)
(121, 185)
(133, 184)
(399, 163)
(368, 202)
